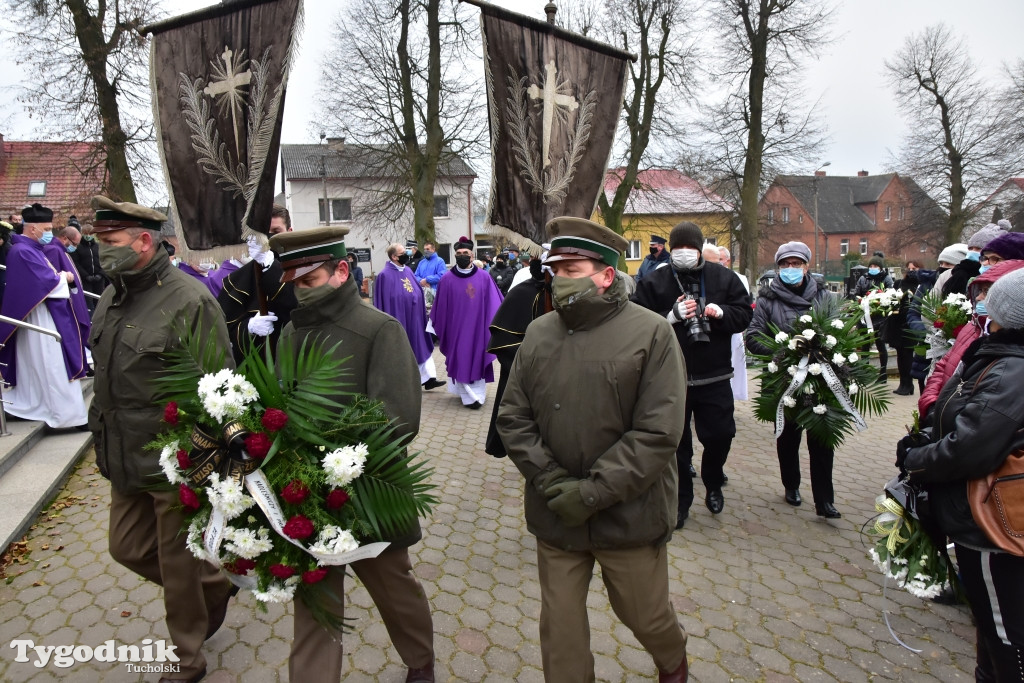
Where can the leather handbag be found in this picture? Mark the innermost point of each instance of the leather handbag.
(997, 504)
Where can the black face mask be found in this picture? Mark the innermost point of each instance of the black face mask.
(403, 259)
(463, 261)
(654, 251)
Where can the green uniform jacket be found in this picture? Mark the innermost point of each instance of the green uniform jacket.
(379, 361)
(136, 322)
(599, 388)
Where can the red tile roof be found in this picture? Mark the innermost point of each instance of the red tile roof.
(665, 191)
(73, 173)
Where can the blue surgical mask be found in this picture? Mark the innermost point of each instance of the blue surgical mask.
(983, 269)
(791, 276)
(46, 238)
(974, 256)
(980, 309)
(71, 248)
(874, 271)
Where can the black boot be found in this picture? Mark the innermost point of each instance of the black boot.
(904, 390)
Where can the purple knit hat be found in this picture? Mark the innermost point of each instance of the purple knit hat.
(1009, 246)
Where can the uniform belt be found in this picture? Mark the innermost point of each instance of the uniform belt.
(708, 380)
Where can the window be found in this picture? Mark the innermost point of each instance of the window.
(341, 210)
(713, 241)
(863, 246)
(785, 214)
(888, 212)
(37, 188)
(903, 213)
(800, 219)
(440, 206)
(771, 215)
(633, 250)
(844, 247)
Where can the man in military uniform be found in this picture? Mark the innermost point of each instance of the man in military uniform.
(380, 365)
(607, 492)
(136, 322)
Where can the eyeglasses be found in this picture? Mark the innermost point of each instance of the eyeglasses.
(991, 259)
(792, 263)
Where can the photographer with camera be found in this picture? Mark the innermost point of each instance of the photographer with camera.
(706, 304)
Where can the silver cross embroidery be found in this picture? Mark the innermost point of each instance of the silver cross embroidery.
(553, 96)
(231, 80)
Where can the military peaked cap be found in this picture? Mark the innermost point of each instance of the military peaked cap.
(303, 251)
(111, 216)
(578, 238)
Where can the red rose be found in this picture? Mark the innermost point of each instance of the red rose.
(314, 576)
(171, 413)
(298, 527)
(258, 445)
(295, 492)
(956, 330)
(274, 420)
(938, 324)
(282, 571)
(336, 498)
(188, 498)
(183, 459)
(240, 566)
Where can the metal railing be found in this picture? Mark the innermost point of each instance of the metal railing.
(89, 294)
(28, 326)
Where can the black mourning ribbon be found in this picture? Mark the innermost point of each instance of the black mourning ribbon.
(222, 452)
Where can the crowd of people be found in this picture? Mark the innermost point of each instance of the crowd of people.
(644, 362)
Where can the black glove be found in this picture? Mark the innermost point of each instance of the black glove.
(906, 443)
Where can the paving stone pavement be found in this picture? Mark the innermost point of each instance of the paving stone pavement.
(765, 591)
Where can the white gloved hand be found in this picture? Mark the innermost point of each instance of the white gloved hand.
(677, 313)
(255, 247)
(265, 259)
(713, 311)
(262, 325)
(259, 253)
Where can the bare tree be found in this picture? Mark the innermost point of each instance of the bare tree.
(760, 126)
(957, 145)
(397, 79)
(88, 80)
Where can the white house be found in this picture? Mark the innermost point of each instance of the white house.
(357, 181)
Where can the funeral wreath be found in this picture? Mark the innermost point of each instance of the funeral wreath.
(280, 482)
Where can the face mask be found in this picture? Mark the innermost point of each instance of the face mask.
(792, 276)
(983, 269)
(654, 251)
(463, 261)
(46, 238)
(89, 237)
(403, 259)
(974, 256)
(307, 296)
(685, 259)
(115, 260)
(71, 248)
(874, 271)
(980, 309)
(175, 262)
(565, 291)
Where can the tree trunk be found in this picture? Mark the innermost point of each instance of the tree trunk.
(753, 163)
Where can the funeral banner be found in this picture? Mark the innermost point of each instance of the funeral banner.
(553, 100)
(218, 78)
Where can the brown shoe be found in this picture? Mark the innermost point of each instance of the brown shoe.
(678, 676)
(421, 675)
(195, 679)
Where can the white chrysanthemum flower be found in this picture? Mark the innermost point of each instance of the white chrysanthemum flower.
(247, 543)
(225, 394)
(791, 370)
(333, 540)
(853, 358)
(830, 341)
(228, 496)
(814, 368)
(805, 318)
(808, 388)
(781, 337)
(277, 592)
(169, 463)
(344, 465)
(853, 389)
(792, 344)
(194, 540)
(789, 401)
(820, 409)
(838, 359)
(808, 334)
(772, 367)
(837, 323)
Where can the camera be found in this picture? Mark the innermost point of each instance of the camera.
(697, 328)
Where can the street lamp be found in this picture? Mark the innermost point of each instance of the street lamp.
(323, 178)
(817, 257)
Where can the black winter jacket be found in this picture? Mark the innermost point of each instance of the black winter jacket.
(660, 289)
(780, 305)
(976, 424)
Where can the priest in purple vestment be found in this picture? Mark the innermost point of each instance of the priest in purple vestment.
(463, 307)
(397, 293)
(42, 371)
(57, 254)
(216, 279)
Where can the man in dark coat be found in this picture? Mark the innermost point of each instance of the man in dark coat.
(85, 254)
(380, 364)
(706, 304)
(502, 274)
(658, 257)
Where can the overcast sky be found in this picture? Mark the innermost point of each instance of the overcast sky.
(856, 102)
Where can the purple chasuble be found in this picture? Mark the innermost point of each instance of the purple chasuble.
(216, 279)
(462, 312)
(58, 256)
(30, 278)
(398, 293)
(202, 277)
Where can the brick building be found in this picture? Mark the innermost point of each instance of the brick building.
(856, 216)
(63, 176)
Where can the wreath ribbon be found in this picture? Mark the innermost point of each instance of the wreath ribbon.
(834, 385)
(221, 453)
(891, 522)
(794, 386)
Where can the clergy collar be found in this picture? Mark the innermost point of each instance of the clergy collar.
(398, 266)
(459, 272)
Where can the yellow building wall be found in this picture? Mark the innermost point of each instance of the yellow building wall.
(640, 227)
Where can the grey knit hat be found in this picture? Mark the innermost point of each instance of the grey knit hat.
(954, 253)
(798, 249)
(686, 234)
(1005, 300)
(984, 236)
